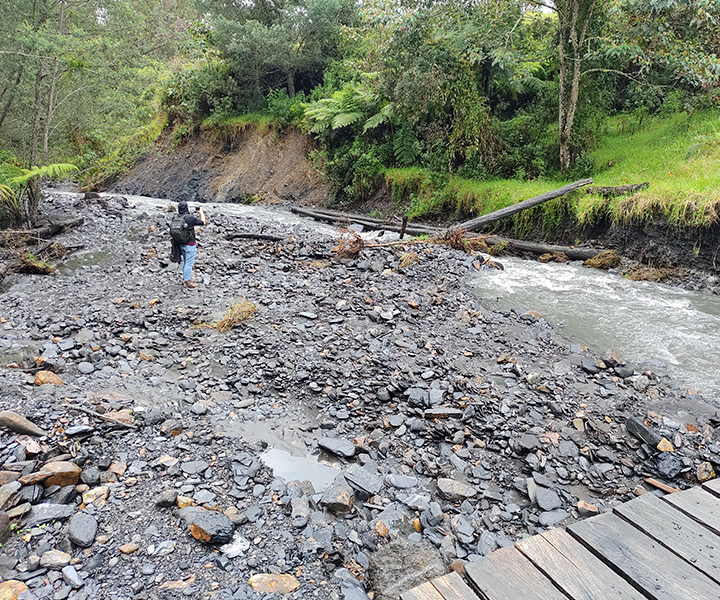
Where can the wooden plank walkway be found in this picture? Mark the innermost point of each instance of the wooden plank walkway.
(650, 548)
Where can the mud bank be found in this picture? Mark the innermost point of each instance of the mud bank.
(274, 168)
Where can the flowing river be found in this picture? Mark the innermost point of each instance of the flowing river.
(666, 329)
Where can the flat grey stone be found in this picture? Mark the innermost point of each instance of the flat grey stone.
(547, 499)
(337, 446)
(44, 513)
(401, 482)
(85, 368)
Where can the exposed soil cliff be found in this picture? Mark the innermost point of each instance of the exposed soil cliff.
(273, 167)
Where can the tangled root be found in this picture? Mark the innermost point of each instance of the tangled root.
(455, 238)
(350, 245)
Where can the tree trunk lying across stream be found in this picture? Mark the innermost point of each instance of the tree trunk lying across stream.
(535, 248)
(475, 224)
(339, 218)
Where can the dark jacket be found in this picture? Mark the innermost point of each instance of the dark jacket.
(175, 248)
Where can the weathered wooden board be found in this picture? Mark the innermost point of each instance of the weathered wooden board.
(676, 531)
(426, 591)
(712, 486)
(507, 575)
(574, 569)
(452, 587)
(698, 504)
(660, 573)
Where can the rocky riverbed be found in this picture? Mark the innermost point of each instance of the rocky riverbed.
(371, 426)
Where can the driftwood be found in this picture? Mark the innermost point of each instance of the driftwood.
(475, 224)
(534, 248)
(254, 236)
(28, 237)
(338, 218)
(618, 190)
(93, 413)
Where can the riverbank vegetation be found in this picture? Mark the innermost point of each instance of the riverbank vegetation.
(450, 109)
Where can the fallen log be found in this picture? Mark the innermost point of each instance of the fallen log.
(535, 248)
(618, 190)
(30, 236)
(475, 224)
(253, 236)
(368, 222)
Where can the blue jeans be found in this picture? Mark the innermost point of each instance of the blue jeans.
(188, 254)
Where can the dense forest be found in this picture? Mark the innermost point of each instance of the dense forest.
(416, 94)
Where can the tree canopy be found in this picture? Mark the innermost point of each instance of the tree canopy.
(480, 88)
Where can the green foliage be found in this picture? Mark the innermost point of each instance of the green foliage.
(287, 111)
(19, 195)
(405, 146)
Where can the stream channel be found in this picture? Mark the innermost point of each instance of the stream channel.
(652, 326)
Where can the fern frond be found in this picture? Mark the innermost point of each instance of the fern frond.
(54, 170)
(405, 146)
(345, 119)
(6, 192)
(386, 114)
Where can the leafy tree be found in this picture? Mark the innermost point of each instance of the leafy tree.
(286, 43)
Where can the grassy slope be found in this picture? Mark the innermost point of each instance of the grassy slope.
(678, 155)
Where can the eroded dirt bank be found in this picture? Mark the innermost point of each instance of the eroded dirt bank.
(274, 167)
(452, 430)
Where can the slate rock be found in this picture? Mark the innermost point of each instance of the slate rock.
(337, 446)
(10, 494)
(71, 577)
(547, 499)
(85, 367)
(44, 513)
(208, 526)
(167, 498)
(339, 496)
(363, 480)
(552, 518)
(403, 564)
(637, 428)
(4, 527)
(455, 491)
(82, 529)
(669, 465)
(401, 482)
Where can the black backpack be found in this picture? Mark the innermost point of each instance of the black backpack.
(179, 230)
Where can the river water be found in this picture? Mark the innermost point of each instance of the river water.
(666, 329)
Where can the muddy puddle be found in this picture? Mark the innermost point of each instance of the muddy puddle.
(289, 467)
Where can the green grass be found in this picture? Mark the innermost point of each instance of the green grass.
(679, 155)
(229, 126)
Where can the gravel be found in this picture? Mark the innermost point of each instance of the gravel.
(452, 429)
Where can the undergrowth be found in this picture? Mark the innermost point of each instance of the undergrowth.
(678, 155)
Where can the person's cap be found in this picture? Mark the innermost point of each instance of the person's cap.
(182, 207)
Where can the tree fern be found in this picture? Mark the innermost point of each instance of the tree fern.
(18, 194)
(385, 115)
(53, 171)
(405, 146)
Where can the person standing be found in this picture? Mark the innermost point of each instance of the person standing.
(184, 242)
